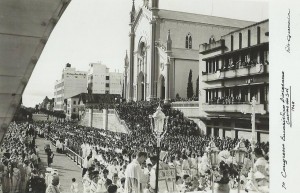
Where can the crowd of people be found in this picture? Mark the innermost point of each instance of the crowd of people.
(109, 158)
(107, 154)
(20, 170)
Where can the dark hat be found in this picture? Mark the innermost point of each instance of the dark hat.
(112, 188)
(105, 171)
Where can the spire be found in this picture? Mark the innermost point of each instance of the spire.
(132, 13)
(169, 42)
(126, 61)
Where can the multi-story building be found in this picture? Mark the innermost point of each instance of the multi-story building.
(235, 69)
(164, 49)
(77, 104)
(101, 81)
(74, 107)
(71, 83)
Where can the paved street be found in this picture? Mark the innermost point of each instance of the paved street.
(67, 169)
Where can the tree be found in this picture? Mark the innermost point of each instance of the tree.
(197, 87)
(74, 116)
(190, 90)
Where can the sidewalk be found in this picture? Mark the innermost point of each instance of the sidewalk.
(67, 169)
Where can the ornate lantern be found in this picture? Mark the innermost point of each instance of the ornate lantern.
(159, 119)
(240, 152)
(212, 152)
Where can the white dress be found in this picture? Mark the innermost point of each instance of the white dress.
(134, 177)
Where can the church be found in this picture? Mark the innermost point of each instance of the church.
(164, 48)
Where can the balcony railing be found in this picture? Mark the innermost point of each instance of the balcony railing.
(236, 72)
(185, 104)
(212, 46)
(235, 107)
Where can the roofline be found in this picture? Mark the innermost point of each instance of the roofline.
(257, 23)
(204, 15)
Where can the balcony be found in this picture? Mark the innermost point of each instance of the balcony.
(233, 108)
(234, 73)
(204, 48)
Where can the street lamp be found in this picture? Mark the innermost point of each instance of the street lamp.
(159, 128)
(240, 154)
(253, 137)
(212, 153)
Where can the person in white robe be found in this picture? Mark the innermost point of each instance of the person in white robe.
(113, 169)
(134, 175)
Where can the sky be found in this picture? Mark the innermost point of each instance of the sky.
(97, 31)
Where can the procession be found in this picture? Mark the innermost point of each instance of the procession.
(127, 162)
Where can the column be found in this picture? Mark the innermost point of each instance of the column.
(258, 95)
(91, 111)
(221, 133)
(145, 86)
(152, 59)
(167, 87)
(105, 118)
(220, 63)
(131, 64)
(125, 84)
(212, 132)
(249, 94)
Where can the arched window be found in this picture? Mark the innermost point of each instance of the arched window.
(188, 41)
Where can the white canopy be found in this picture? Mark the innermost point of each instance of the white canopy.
(25, 27)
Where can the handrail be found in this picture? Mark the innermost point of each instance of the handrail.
(185, 104)
(234, 68)
(71, 154)
(230, 103)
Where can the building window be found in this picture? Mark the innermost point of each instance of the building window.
(107, 85)
(107, 77)
(188, 41)
(74, 110)
(107, 92)
(74, 102)
(231, 43)
(249, 38)
(240, 40)
(258, 35)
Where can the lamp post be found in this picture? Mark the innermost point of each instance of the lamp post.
(253, 134)
(158, 126)
(240, 153)
(212, 153)
(253, 138)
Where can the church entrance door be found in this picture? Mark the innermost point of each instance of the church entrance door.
(162, 88)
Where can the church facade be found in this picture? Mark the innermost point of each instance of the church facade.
(164, 47)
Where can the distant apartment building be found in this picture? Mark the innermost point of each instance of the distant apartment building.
(235, 69)
(71, 83)
(101, 81)
(74, 107)
(77, 104)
